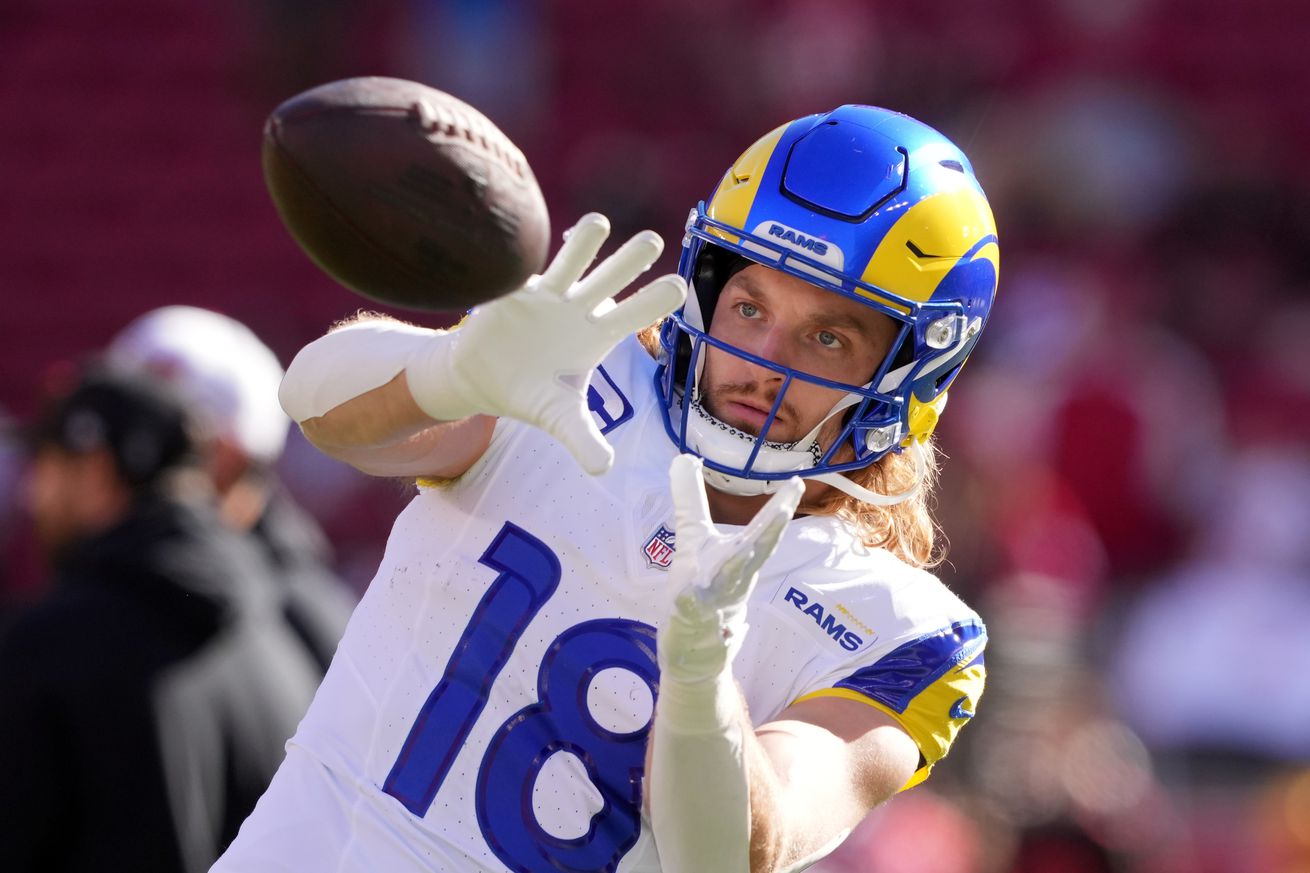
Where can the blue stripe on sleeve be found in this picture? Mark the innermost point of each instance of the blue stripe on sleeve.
(898, 677)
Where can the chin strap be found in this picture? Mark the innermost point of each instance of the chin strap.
(709, 437)
(859, 492)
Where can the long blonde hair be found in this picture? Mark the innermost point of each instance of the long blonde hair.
(905, 529)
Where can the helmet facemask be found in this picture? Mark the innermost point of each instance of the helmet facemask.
(756, 218)
(863, 424)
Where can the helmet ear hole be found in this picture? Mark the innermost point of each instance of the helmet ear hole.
(944, 380)
(929, 387)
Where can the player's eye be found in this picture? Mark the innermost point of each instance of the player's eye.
(828, 340)
(748, 309)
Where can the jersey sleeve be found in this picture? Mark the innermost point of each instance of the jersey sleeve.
(930, 685)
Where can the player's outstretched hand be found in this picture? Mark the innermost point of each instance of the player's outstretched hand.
(714, 574)
(530, 355)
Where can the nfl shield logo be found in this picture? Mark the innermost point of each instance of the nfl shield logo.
(659, 548)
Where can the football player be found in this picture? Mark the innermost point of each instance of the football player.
(552, 669)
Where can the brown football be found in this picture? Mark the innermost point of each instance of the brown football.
(405, 194)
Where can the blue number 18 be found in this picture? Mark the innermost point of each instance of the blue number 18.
(529, 575)
(558, 721)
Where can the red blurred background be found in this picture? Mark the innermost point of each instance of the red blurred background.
(1128, 494)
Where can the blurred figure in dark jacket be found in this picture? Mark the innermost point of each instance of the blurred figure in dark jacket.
(229, 380)
(145, 702)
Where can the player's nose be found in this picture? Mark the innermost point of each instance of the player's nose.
(775, 347)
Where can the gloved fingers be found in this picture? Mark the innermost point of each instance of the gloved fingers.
(618, 271)
(647, 306)
(756, 544)
(766, 545)
(581, 244)
(567, 419)
(732, 580)
(691, 509)
(775, 514)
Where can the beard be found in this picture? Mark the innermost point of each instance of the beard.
(788, 427)
(716, 401)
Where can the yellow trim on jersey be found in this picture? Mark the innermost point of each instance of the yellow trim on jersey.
(920, 774)
(943, 227)
(735, 196)
(928, 719)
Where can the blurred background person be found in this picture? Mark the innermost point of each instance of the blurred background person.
(229, 379)
(145, 701)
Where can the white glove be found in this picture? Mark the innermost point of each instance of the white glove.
(699, 783)
(714, 574)
(530, 355)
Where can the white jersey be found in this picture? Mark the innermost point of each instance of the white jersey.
(488, 706)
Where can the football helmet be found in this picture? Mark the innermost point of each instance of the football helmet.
(866, 203)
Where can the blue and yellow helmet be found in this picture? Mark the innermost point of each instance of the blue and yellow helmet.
(866, 203)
